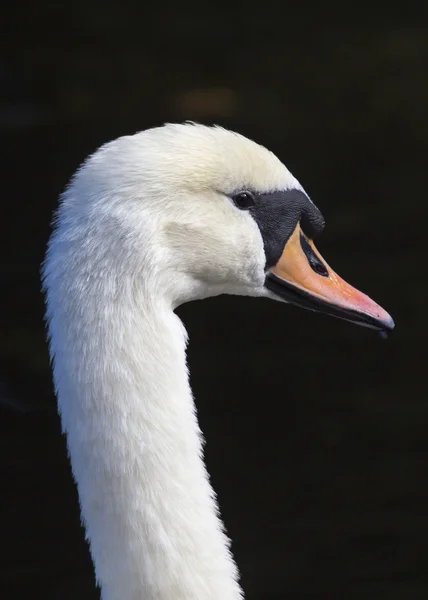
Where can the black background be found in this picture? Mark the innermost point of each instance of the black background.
(316, 429)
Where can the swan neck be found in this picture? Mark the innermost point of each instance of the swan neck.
(136, 450)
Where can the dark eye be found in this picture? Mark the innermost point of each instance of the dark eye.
(244, 200)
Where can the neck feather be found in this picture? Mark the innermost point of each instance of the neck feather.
(135, 446)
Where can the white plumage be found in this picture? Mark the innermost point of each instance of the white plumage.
(146, 224)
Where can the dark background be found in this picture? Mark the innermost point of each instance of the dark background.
(316, 429)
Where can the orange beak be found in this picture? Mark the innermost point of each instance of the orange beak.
(302, 277)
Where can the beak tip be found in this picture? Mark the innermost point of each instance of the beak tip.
(389, 323)
(387, 326)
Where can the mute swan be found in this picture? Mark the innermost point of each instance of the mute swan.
(150, 221)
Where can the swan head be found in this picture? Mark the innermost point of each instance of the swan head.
(191, 211)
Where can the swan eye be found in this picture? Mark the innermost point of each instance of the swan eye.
(244, 200)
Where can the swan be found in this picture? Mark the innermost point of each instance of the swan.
(172, 214)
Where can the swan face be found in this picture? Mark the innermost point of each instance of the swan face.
(213, 212)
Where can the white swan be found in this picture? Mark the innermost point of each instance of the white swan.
(150, 221)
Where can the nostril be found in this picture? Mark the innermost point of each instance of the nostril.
(313, 260)
(319, 268)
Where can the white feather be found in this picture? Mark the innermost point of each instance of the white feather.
(145, 225)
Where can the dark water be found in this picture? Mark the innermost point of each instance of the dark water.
(316, 430)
